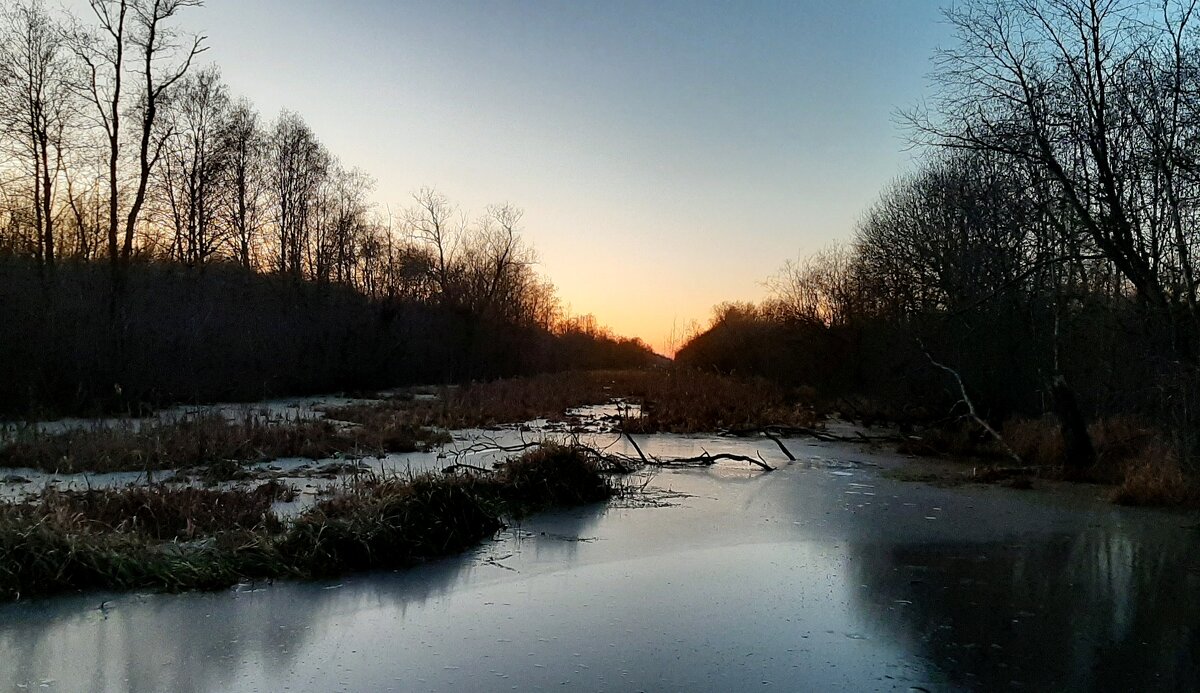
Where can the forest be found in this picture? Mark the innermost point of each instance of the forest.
(161, 241)
(1039, 264)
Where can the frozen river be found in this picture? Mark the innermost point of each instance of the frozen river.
(824, 575)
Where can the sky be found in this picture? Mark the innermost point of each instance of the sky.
(668, 156)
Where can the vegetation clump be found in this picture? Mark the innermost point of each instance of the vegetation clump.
(188, 538)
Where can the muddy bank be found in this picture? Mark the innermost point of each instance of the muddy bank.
(824, 575)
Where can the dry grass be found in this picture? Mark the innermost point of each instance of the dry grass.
(492, 403)
(160, 512)
(1130, 455)
(390, 524)
(206, 439)
(688, 401)
(673, 400)
(1154, 477)
(957, 440)
(1037, 441)
(177, 539)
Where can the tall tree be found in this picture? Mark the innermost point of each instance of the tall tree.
(244, 144)
(196, 162)
(35, 107)
(132, 35)
(298, 166)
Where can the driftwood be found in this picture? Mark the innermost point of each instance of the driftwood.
(636, 447)
(705, 460)
(490, 444)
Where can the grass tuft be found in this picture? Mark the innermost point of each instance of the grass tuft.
(1154, 477)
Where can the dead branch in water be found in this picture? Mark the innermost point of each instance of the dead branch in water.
(635, 446)
(467, 467)
(782, 447)
(707, 460)
(621, 464)
(491, 444)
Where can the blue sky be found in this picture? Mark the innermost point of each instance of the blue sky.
(669, 156)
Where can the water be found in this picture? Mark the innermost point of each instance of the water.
(821, 576)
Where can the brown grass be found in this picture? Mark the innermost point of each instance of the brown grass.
(958, 440)
(673, 400)
(160, 512)
(189, 538)
(1037, 441)
(205, 439)
(1154, 477)
(1130, 455)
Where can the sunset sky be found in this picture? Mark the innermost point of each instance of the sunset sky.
(669, 156)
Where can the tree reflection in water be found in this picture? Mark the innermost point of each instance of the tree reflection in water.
(1102, 610)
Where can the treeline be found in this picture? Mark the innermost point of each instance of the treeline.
(232, 334)
(1045, 251)
(159, 240)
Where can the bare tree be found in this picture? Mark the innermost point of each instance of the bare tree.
(434, 221)
(140, 28)
(35, 107)
(195, 164)
(298, 166)
(498, 261)
(1058, 84)
(244, 144)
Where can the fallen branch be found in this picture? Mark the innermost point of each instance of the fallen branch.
(490, 444)
(636, 447)
(962, 388)
(707, 460)
(622, 464)
(782, 447)
(468, 467)
(821, 435)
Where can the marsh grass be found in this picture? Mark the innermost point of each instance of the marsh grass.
(163, 512)
(177, 539)
(675, 400)
(1131, 456)
(1155, 477)
(207, 439)
(672, 400)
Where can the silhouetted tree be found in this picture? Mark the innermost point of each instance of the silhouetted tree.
(35, 109)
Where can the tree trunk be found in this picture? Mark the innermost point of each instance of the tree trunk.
(1079, 454)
